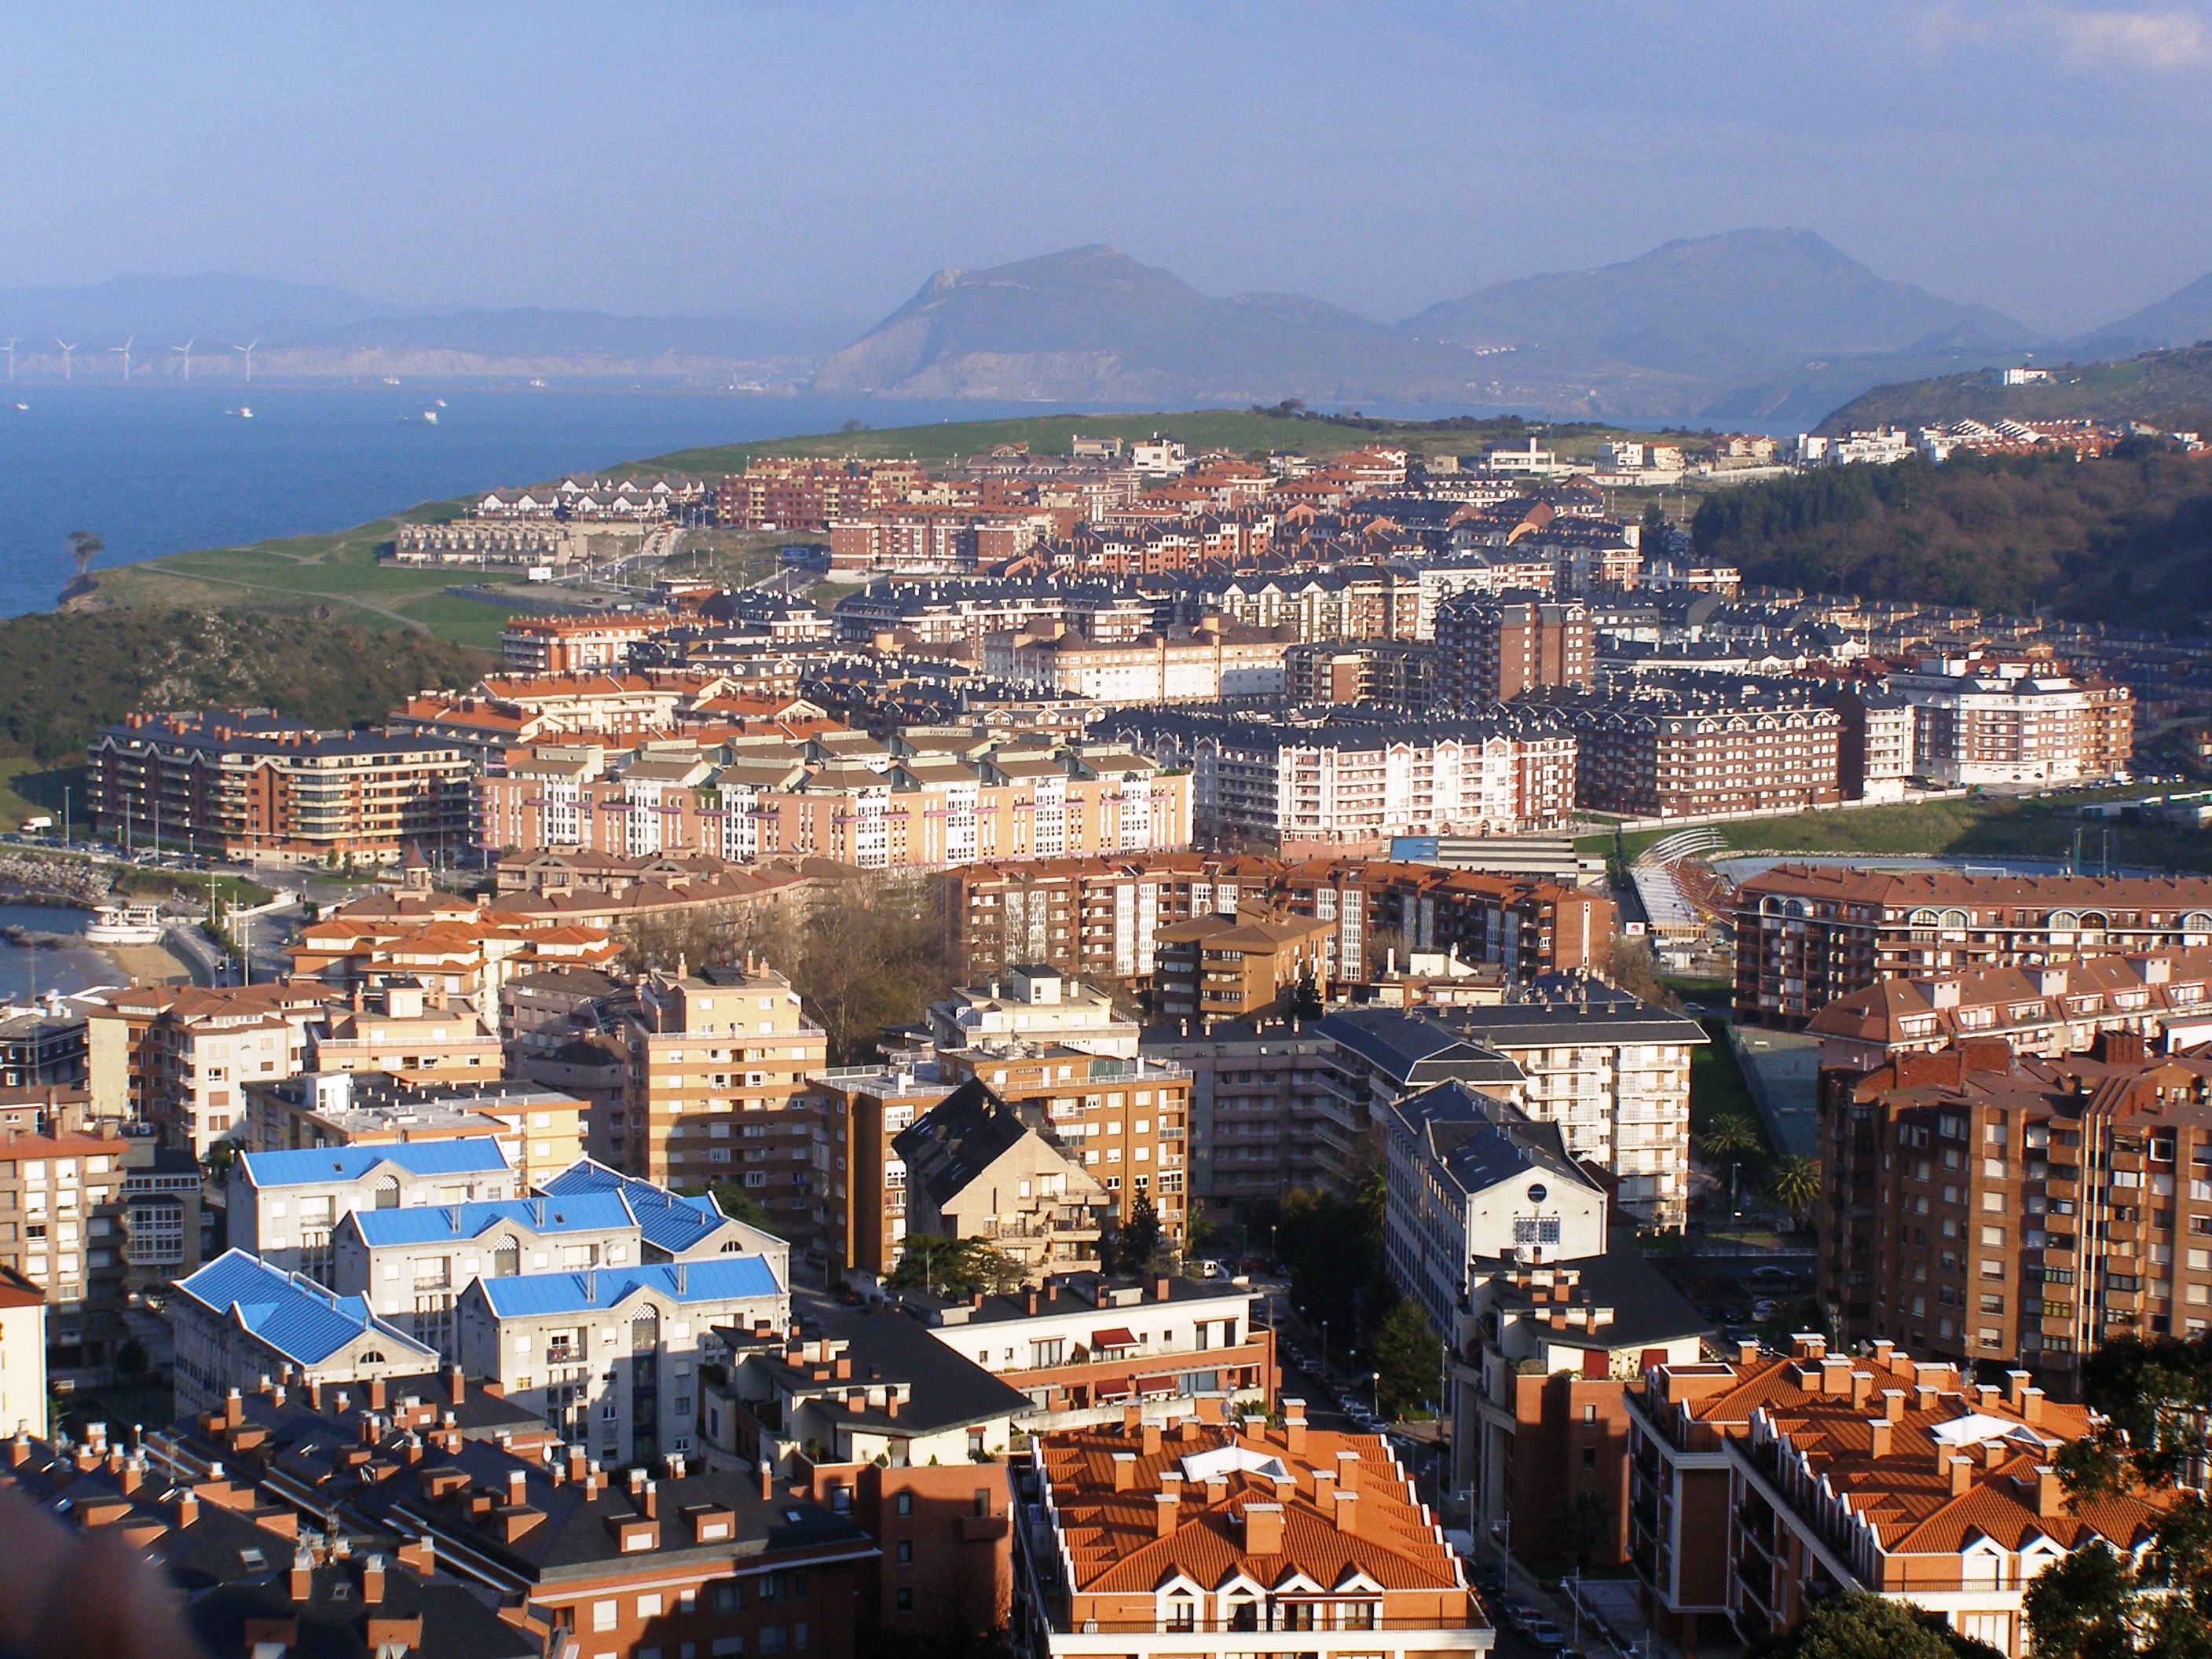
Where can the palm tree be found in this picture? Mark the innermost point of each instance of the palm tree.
(1729, 1136)
(1796, 1185)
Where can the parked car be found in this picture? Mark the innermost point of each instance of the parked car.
(1545, 1635)
(1769, 1275)
(1765, 1309)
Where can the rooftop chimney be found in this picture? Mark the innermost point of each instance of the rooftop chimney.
(1167, 1506)
(456, 1386)
(767, 1472)
(1151, 1438)
(376, 1394)
(1263, 1528)
(1125, 1471)
(2050, 1491)
(518, 1487)
(1878, 1432)
(1893, 1405)
(303, 1576)
(1961, 1471)
(372, 1580)
(653, 1500)
(1344, 1509)
(1294, 1426)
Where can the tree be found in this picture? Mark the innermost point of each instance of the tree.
(953, 1267)
(2156, 1398)
(1137, 1242)
(1630, 964)
(1587, 1528)
(1860, 1626)
(130, 1359)
(1406, 1352)
(735, 1202)
(1730, 1135)
(1795, 1183)
(84, 548)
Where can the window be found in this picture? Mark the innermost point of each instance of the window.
(905, 1505)
(726, 1599)
(906, 1551)
(604, 1615)
(905, 1600)
(648, 1606)
(1182, 1613)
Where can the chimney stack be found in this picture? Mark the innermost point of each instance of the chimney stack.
(1345, 1511)
(518, 1487)
(767, 1480)
(372, 1580)
(1149, 1438)
(303, 1576)
(1263, 1528)
(2050, 1491)
(653, 1500)
(1294, 1426)
(1125, 1471)
(1893, 1405)
(1961, 1471)
(1167, 1508)
(376, 1394)
(456, 1386)
(1878, 1432)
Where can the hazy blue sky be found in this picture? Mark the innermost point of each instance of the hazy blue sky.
(816, 161)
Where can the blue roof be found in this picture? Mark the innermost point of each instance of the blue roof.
(721, 1279)
(433, 1224)
(290, 1312)
(318, 1165)
(669, 1221)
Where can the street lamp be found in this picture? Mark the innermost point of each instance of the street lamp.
(1324, 1350)
(1375, 1378)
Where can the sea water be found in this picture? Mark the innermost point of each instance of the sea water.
(159, 469)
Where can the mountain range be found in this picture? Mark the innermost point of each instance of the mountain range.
(1773, 327)
(1766, 326)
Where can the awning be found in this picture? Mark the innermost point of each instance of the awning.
(1114, 1336)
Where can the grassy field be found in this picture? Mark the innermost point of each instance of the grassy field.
(338, 572)
(1984, 826)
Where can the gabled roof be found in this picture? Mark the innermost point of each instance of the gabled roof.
(723, 1279)
(291, 1313)
(431, 1224)
(669, 1221)
(325, 1165)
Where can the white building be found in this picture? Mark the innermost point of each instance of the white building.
(239, 1320)
(610, 1356)
(1984, 719)
(1473, 1182)
(1035, 1005)
(285, 1206)
(22, 1354)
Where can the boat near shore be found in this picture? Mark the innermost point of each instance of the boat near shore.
(126, 923)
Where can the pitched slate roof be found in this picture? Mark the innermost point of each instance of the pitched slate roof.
(290, 1312)
(723, 1279)
(323, 1166)
(669, 1221)
(431, 1224)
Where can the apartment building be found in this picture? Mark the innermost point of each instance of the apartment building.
(540, 1130)
(1984, 1207)
(718, 1090)
(284, 1207)
(1094, 918)
(23, 1400)
(867, 1416)
(1981, 719)
(405, 1030)
(1081, 1349)
(979, 1166)
(1876, 751)
(872, 1106)
(610, 1356)
(1396, 674)
(1207, 664)
(534, 646)
(1760, 1485)
(865, 807)
(787, 492)
(88, 1218)
(1349, 787)
(1610, 1072)
(1221, 1534)
(1809, 935)
(1661, 752)
(410, 1266)
(246, 783)
(1491, 649)
(191, 1053)
(1259, 1122)
(239, 1319)
(1127, 1122)
(1525, 927)
(1217, 968)
(1033, 1003)
(2050, 1010)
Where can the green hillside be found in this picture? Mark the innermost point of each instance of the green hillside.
(2126, 538)
(2171, 390)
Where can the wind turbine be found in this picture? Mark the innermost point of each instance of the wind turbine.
(187, 349)
(125, 350)
(248, 350)
(68, 348)
(11, 345)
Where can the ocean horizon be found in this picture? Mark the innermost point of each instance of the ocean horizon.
(158, 470)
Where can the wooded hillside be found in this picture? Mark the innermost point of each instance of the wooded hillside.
(63, 676)
(2126, 538)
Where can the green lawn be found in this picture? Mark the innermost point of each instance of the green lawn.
(29, 787)
(1718, 1090)
(1988, 826)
